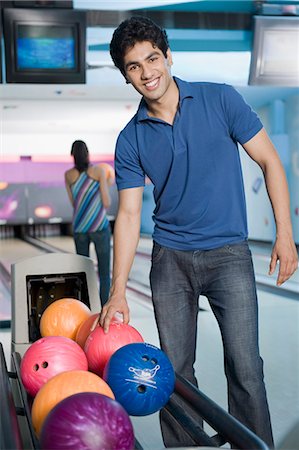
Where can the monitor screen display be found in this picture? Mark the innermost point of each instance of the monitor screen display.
(274, 58)
(46, 47)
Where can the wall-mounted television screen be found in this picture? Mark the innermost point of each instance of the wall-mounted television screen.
(274, 58)
(44, 46)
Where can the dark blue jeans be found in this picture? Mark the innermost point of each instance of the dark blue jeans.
(101, 240)
(226, 277)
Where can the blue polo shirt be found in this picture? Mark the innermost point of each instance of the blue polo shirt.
(193, 164)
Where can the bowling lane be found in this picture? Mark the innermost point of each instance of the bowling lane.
(261, 253)
(138, 272)
(65, 243)
(14, 250)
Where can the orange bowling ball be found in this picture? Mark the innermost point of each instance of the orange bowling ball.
(63, 318)
(84, 329)
(62, 386)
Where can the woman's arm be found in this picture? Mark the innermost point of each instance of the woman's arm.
(100, 175)
(68, 188)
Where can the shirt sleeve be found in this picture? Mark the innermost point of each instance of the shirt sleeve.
(128, 171)
(243, 122)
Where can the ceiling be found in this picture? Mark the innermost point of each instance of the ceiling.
(205, 54)
(125, 5)
(183, 5)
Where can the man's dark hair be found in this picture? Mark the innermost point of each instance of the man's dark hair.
(130, 31)
(81, 156)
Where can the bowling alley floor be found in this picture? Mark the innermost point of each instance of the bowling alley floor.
(279, 336)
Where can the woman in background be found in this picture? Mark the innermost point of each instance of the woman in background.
(88, 191)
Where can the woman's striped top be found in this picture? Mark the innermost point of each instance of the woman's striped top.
(89, 213)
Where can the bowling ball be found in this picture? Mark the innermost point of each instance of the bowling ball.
(100, 346)
(84, 329)
(62, 386)
(141, 377)
(87, 421)
(47, 357)
(63, 318)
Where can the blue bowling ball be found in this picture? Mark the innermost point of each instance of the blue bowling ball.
(141, 377)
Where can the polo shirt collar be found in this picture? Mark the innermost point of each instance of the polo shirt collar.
(185, 90)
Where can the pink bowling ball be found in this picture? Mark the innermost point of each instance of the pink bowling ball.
(47, 357)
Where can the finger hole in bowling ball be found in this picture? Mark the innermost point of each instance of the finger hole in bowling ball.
(154, 361)
(45, 365)
(35, 367)
(145, 358)
(141, 389)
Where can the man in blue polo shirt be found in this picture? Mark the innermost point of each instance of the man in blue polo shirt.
(185, 137)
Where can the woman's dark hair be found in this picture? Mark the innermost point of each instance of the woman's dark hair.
(130, 31)
(81, 156)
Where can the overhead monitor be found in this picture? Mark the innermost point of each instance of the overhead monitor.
(275, 53)
(44, 46)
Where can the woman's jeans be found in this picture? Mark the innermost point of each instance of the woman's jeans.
(226, 277)
(101, 240)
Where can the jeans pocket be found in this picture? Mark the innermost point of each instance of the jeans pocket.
(241, 249)
(157, 252)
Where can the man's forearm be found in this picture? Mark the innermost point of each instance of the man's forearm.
(284, 249)
(278, 192)
(125, 241)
